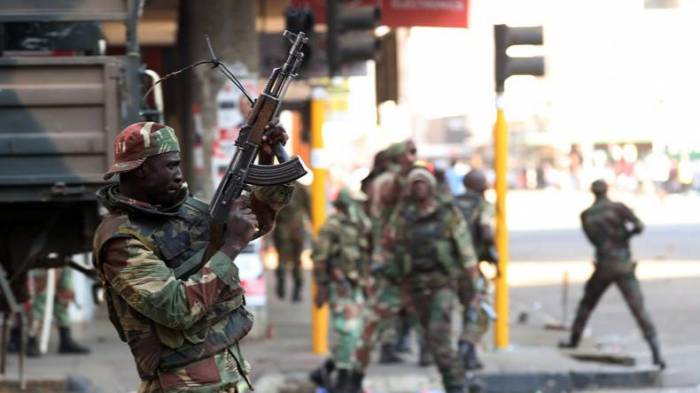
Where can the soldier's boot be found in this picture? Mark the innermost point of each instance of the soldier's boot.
(66, 344)
(387, 354)
(343, 384)
(322, 375)
(403, 334)
(356, 381)
(298, 286)
(573, 341)
(15, 341)
(656, 357)
(32, 349)
(467, 352)
(425, 358)
(280, 284)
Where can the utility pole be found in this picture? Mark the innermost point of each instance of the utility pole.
(506, 66)
(231, 28)
(319, 315)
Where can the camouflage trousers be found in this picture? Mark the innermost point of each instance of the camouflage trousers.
(434, 309)
(475, 321)
(627, 282)
(379, 316)
(63, 296)
(346, 302)
(289, 257)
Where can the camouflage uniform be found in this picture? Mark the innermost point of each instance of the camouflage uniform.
(431, 249)
(183, 329)
(341, 259)
(475, 321)
(64, 295)
(288, 235)
(605, 225)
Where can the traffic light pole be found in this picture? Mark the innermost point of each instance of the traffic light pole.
(319, 316)
(500, 137)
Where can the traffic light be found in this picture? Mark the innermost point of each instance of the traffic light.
(507, 66)
(350, 34)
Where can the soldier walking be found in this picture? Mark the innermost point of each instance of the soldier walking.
(288, 236)
(341, 261)
(609, 226)
(479, 216)
(431, 245)
(183, 329)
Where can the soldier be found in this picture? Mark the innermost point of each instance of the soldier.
(61, 301)
(430, 245)
(341, 261)
(478, 214)
(183, 330)
(289, 235)
(609, 226)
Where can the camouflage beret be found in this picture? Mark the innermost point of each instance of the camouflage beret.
(395, 150)
(139, 141)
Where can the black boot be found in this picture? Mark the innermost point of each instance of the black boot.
(388, 354)
(425, 358)
(66, 345)
(573, 341)
(32, 349)
(298, 286)
(656, 353)
(15, 341)
(356, 381)
(343, 383)
(322, 376)
(467, 352)
(403, 330)
(281, 287)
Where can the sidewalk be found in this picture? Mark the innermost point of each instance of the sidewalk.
(282, 361)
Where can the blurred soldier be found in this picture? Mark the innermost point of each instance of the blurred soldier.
(289, 235)
(183, 327)
(609, 226)
(479, 216)
(63, 297)
(431, 247)
(341, 261)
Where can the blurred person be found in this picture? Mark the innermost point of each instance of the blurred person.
(341, 257)
(430, 245)
(63, 296)
(288, 236)
(454, 174)
(183, 330)
(609, 226)
(473, 293)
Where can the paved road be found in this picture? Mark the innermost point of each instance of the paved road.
(677, 242)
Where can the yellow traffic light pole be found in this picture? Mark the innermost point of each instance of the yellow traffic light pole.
(500, 137)
(319, 316)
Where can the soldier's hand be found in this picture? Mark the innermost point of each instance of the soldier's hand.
(321, 295)
(241, 226)
(274, 133)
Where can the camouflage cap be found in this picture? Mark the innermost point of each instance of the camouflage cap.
(421, 174)
(139, 141)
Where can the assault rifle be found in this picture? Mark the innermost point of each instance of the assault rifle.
(242, 171)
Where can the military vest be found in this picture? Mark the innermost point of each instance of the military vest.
(174, 238)
(607, 231)
(428, 241)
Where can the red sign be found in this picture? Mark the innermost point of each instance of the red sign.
(405, 13)
(435, 13)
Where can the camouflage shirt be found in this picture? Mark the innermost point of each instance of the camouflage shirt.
(432, 245)
(290, 224)
(478, 213)
(342, 243)
(183, 331)
(609, 226)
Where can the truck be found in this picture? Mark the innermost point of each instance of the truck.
(62, 102)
